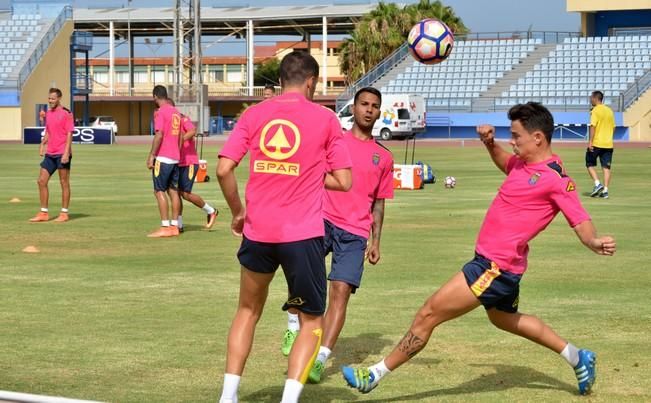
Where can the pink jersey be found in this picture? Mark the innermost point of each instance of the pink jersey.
(526, 203)
(167, 120)
(372, 179)
(58, 123)
(188, 150)
(292, 143)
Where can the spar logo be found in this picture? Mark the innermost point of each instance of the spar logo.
(280, 140)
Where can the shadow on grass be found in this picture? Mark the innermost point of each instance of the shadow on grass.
(505, 377)
(77, 216)
(311, 393)
(355, 350)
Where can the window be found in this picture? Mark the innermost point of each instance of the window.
(215, 74)
(140, 75)
(234, 73)
(403, 114)
(346, 112)
(158, 75)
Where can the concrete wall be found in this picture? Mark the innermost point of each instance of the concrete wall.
(638, 118)
(604, 5)
(10, 129)
(52, 71)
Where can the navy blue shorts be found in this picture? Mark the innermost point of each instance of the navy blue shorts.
(348, 254)
(186, 177)
(53, 162)
(605, 156)
(303, 264)
(165, 176)
(493, 287)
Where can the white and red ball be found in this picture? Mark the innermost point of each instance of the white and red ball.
(450, 182)
(430, 41)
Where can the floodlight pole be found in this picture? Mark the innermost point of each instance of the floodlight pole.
(324, 45)
(130, 44)
(111, 58)
(250, 55)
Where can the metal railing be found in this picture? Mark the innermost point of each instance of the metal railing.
(100, 89)
(498, 104)
(42, 46)
(374, 74)
(635, 90)
(544, 36)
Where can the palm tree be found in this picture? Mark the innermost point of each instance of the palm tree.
(384, 29)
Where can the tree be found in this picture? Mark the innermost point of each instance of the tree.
(267, 72)
(385, 29)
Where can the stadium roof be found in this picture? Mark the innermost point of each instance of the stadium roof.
(274, 20)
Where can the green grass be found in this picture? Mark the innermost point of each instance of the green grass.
(104, 313)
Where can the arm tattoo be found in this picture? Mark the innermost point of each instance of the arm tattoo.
(411, 344)
(378, 218)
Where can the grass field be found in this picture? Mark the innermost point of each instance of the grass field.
(104, 313)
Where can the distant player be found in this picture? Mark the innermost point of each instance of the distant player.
(602, 128)
(535, 190)
(350, 217)
(269, 91)
(163, 161)
(59, 125)
(188, 167)
(295, 147)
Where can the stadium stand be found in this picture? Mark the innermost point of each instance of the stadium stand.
(19, 35)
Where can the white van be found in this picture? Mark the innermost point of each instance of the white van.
(401, 116)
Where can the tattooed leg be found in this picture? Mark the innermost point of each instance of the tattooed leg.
(411, 344)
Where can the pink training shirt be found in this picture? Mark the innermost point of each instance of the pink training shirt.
(167, 120)
(372, 179)
(292, 143)
(526, 203)
(58, 123)
(188, 150)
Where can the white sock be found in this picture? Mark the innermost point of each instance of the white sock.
(571, 354)
(64, 210)
(324, 354)
(293, 323)
(292, 391)
(606, 189)
(379, 370)
(165, 223)
(180, 221)
(208, 208)
(174, 223)
(44, 210)
(597, 183)
(231, 385)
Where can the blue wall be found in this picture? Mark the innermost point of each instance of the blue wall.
(462, 125)
(605, 20)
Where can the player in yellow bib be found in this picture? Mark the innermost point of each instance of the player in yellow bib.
(602, 127)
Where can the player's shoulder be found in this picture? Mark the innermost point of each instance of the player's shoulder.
(556, 166)
(383, 149)
(66, 110)
(562, 181)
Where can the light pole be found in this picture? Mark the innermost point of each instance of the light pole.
(154, 47)
(130, 73)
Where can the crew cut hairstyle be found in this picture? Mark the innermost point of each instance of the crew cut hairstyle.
(160, 92)
(370, 90)
(599, 95)
(533, 116)
(297, 67)
(57, 91)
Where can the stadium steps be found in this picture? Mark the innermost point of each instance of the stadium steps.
(393, 73)
(486, 100)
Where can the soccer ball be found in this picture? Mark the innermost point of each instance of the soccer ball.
(430, 41)
(450, 182)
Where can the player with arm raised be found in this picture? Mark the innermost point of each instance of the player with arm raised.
(535, 190)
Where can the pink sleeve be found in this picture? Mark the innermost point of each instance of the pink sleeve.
(337, 156)
(566, 197)
(511, 163)
(187, 125)
(158, 122)
(70, 123)
(238, 142)
(385, 188)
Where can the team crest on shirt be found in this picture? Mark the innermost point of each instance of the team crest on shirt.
(534, 178)
(298, 301)
(570, 187)
(376, 159)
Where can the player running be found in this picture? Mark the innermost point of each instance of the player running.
(59, 125)
(188, 167)
(295, 146)
(349, 218)
(163, 161)
(535, 190)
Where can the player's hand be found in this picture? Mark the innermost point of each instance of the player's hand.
(590, 147)
(40, 151)
(604, 245)
(65, 158)
(373, 254)
(486, 134)
(150, 162)
(237, 224)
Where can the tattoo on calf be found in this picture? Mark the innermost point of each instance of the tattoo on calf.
(411, 344)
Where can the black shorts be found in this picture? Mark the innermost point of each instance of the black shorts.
(186, 177)
(303, 264)
(348, 253)
(53, 162)
(493, 287)
(165, 176)
(605, 156)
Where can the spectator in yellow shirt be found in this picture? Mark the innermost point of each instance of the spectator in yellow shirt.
(602, 127)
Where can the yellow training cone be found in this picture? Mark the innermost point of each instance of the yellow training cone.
(31, 249)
